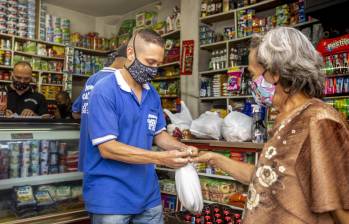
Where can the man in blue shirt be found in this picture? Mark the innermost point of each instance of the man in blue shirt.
(80, 106)
(125, 117)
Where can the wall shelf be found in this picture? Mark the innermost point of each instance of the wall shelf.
(88, 50)
(169, 96)
(225, 144)
(166, 78)
(176, 63)
(172, 34)
(231, 206)
(225, 97)
(37, 56)
(38, 180)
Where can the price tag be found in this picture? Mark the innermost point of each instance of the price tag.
(17, 136)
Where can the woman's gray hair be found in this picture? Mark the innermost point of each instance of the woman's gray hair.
(288, 52)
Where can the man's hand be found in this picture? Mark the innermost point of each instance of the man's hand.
(8, 113)
(193, 151)
(27, 113)
(174, 158)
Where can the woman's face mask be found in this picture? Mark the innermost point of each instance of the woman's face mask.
(263, 92)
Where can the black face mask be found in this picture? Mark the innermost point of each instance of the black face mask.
(141, 73)
(20, 86)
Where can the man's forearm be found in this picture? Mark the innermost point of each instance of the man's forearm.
(121, 152)
(167, 142)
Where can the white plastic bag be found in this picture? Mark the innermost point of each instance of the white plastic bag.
(181, 120)
(208, 125)
(237, 127)
(189, 189)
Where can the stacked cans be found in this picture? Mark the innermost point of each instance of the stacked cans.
(49, 28)
(35, 158)
(43, 22)
(53, 158)
(57, 31)
(44, 157)
(217, 85)
(3, 16)
(22, 20)
(12, 17)
(15, 151)
(65, 26)
(25, 159)
(4, 162)
(31, 18)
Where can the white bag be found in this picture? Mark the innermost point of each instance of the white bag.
(237, 127)
(208, 125)
(181, 120)
(189, 189)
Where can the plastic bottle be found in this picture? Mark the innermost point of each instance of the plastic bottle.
(258, 128)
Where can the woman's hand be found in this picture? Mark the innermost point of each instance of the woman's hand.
(205, 157)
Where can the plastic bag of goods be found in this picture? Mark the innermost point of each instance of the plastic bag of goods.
(237, 127)
(189, 189)
(181, 120)
(208, 125)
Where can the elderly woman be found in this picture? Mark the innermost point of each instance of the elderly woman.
(303, 171)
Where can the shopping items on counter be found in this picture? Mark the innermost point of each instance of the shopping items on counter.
(188, 188)
(183, 119)
(208, 125)
(237, 127)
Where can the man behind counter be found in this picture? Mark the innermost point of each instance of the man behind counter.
(22, 99)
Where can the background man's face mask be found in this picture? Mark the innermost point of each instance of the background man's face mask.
(20, 85)
(141, 73)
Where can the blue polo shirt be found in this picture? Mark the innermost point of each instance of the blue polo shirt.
(81, 106)
(113, 187)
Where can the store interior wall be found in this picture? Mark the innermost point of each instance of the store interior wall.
(109, 25)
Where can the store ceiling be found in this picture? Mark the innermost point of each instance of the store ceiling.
(101, 7)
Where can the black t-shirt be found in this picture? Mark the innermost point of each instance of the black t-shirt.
(29, 100)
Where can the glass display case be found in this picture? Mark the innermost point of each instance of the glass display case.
(39, 178)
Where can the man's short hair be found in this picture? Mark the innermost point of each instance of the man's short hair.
(23, 63)
(151, 36)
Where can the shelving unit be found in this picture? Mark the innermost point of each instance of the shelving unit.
(38, 180)
(172, 34)
(176, 63)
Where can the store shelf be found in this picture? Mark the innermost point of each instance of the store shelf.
(169, 193)
(81, 76)
(212, 72)
(231, 206)
(264, 5)
(335, 97)
(176, 63)
(48, 84)
(225, 97)
(38, 41)
(37, 56)
(167, 78)
(51, 72)
(216, 176)
(38, 180)
(172, 34)
(6, 67)
(91, 51)
(8, 36)
(220, 44)
(308, 23)
(169, 96)
(218, 17)
(336, 75)
(224, 70)
(224, 144)
(68, 216)
(200, 174)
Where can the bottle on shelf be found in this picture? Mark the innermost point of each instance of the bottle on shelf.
(218, 6)
(204, 8)
(258, 127)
